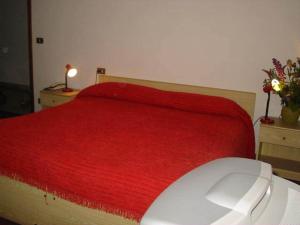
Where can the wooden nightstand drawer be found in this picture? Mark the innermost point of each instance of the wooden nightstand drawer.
(279, 145)
(51, 98)
(279, 136)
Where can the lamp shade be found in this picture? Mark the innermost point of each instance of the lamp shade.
(276, 85)
(70, 72)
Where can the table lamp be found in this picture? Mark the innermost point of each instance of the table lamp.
(70, 72)
(275, 85)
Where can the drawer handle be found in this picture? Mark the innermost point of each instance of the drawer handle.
(283, 138)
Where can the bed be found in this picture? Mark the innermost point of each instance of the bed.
(105, 156)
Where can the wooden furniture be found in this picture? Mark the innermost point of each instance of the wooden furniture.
(15, 99)
(279, 145)
(51, 98)
(29, 205)
(245, 99)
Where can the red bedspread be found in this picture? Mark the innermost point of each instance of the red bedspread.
(117, 147)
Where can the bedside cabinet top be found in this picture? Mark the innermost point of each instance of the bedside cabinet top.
(60, 92)
(281, 125)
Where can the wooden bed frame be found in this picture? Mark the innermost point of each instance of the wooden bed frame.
(25, 204)
(245, 99)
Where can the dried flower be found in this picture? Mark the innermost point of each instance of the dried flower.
(269, 72)
(287, 89)
(289, 63)
(279, 69)
(267, 87)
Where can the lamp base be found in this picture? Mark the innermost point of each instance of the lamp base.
(67, 89)
(266, 120)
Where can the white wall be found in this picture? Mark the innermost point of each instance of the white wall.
(220, 43)
(14, 62)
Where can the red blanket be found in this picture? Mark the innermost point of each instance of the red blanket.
(117, 147)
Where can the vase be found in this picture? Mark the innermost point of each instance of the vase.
(289, 116)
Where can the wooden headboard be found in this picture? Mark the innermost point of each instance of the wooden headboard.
(245, 99)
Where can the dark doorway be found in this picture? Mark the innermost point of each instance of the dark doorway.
(16, 79)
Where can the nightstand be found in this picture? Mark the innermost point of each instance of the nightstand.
(279, 145)
(51, 98)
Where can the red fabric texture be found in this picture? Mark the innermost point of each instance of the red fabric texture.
(118, 146)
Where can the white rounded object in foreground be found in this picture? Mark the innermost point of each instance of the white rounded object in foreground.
(227, 191)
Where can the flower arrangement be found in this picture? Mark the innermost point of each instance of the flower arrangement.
(285, 81)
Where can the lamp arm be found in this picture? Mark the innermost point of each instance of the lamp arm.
(267, 108)
(266, 119)
(66, 79)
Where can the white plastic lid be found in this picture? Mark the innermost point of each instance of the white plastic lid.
(224, 191)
